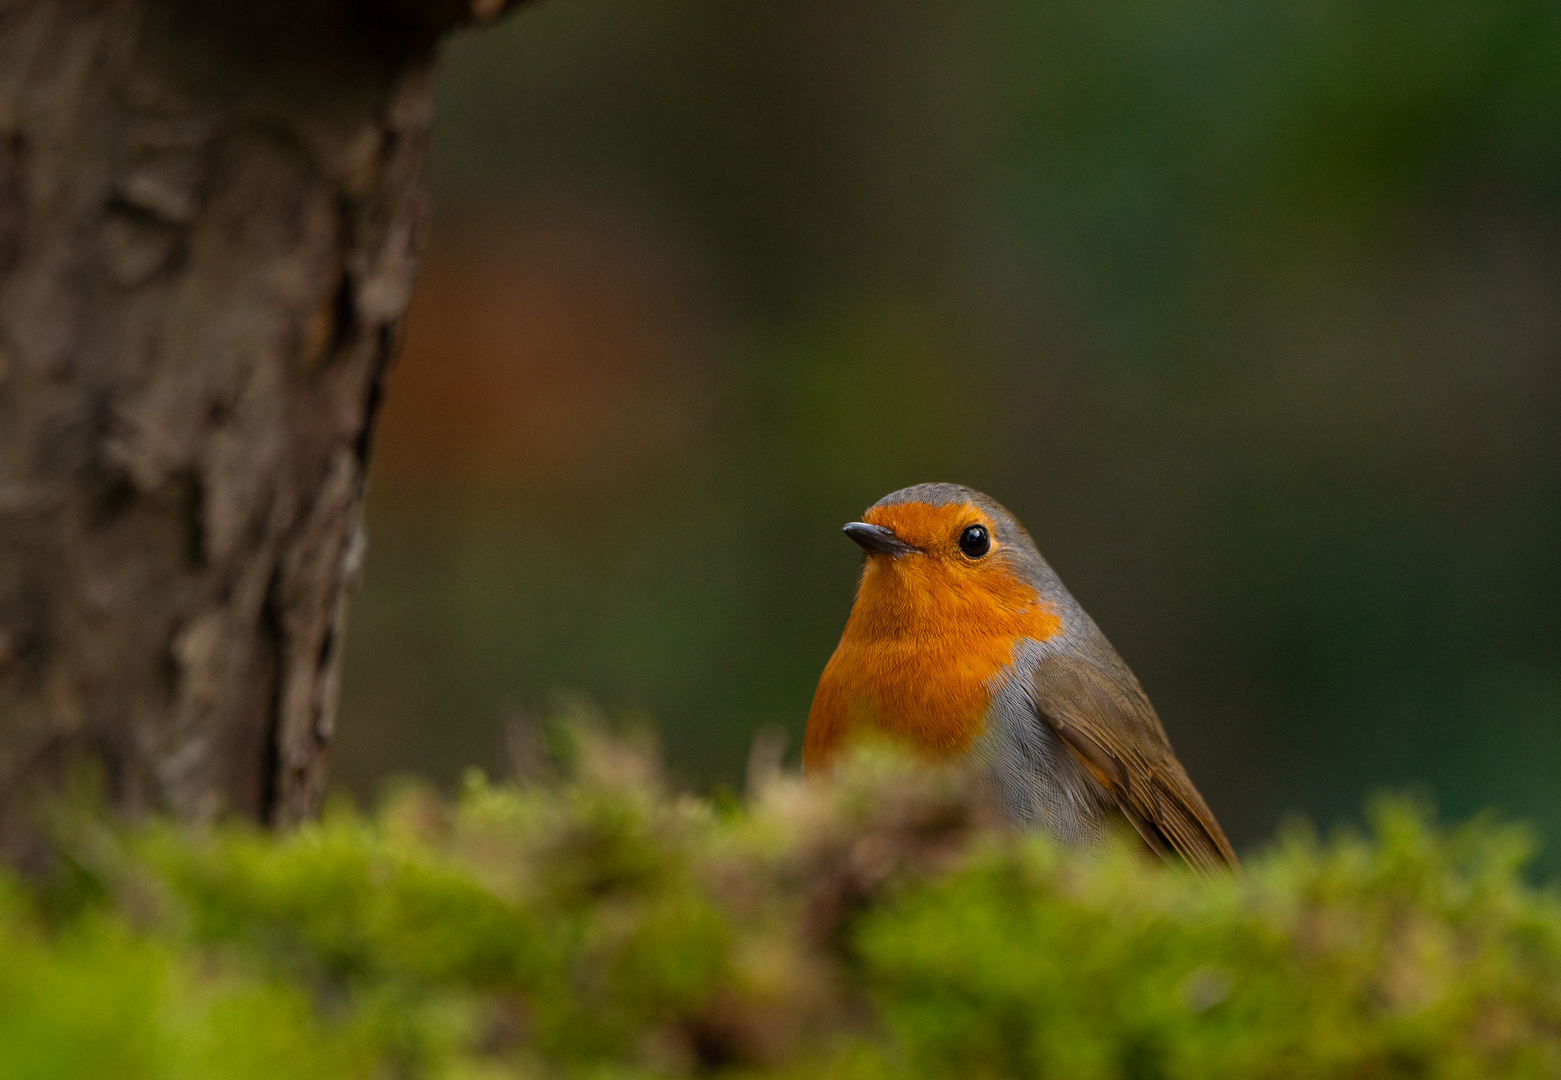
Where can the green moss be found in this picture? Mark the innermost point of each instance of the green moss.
(872, 928)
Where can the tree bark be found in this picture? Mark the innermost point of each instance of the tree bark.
(210, 215)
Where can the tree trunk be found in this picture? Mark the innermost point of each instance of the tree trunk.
(209, 221)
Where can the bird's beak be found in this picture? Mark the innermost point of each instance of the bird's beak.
(877, 538)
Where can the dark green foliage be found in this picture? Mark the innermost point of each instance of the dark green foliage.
(875, 927)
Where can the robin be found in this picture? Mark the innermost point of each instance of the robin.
(963, 642)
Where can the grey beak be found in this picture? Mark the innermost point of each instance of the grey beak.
(877, 538)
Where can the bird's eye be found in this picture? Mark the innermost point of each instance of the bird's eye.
(975, 541)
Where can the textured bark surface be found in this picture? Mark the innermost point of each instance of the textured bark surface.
(209, 220)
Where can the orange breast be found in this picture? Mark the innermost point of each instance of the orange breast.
(919, 652)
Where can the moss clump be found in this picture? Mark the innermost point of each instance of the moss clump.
(873, 927)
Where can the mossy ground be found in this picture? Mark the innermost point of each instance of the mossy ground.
(875, 927)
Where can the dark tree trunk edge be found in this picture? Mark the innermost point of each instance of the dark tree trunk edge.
(210, 216)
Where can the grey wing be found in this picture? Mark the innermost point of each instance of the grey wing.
(1102, 716)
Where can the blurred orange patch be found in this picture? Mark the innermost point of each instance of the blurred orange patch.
(568, 352)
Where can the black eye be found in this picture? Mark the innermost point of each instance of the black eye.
(974, 541)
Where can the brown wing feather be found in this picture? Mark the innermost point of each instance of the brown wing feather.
(1104, 718)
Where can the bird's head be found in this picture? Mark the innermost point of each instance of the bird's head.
(946, 560)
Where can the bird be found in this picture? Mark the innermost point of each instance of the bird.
(964, 644)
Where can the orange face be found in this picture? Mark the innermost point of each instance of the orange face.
(928, 633)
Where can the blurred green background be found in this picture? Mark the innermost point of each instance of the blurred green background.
(1252, 313)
